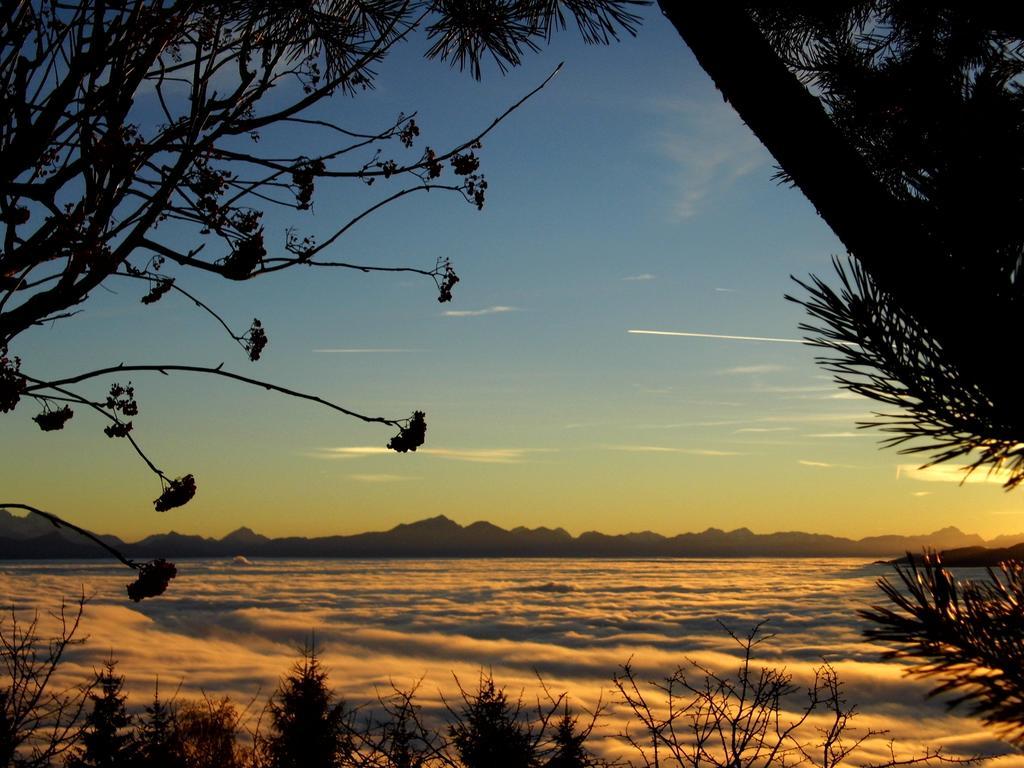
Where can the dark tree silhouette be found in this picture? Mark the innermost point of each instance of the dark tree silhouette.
(489, 731)
(309, 727)
(158, 738)
(967, 633)
(403, 742)
(130, 152)
(209, 731)
(107, 740)
(568, 744)
(398, 738)
(903, 124)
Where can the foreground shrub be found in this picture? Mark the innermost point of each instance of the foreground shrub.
(209, 731)
(756, 718)
(39, 722)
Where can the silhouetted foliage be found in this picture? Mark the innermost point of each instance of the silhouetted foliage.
(152, 580)
(887, 355)
(107, 740)
(757, 717)
(489, 731)
(39, 721)
(130, 152)
(158, 737)
(397, 736)
(403, 743)
(968, 634)
(903, 123)
(309, 728)
(209, 731)
(567, 747)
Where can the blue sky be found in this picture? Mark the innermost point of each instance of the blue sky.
(625, 195)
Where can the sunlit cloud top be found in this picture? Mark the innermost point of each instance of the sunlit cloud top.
(950, 473)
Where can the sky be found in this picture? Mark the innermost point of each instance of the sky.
(624, 196)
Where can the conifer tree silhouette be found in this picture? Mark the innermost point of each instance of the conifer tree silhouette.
(107, 740)
(308, 725)
(567, 743)
(903, 124)
(157, 735)
(489, 730)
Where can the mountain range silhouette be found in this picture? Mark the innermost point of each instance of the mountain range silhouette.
(34, 538)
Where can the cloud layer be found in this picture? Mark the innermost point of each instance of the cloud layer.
(235, 627)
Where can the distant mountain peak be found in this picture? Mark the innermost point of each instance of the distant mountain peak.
(436, 523)
(483, 525)
(244, 535)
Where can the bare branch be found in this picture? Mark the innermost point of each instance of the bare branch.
(165, 369)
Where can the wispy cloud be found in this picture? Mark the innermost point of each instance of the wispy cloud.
(381, 478)
(357, 350)
(484, 455)
(478, 455)
(710, 150)
(725, 290)
(822, 464)
(641, 278)
(796, 389)
(351, 452)
(693, 424)
(950, 473)
(813, 418)
(762, 430)
(740, 370)
(495, 310)
(831, 435)
(669, 449)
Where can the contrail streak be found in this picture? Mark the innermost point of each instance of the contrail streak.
(720, 336)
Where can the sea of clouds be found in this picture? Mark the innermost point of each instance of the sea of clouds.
(234, 628)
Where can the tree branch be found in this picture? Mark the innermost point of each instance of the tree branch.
(165, 369)
(59, 522)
